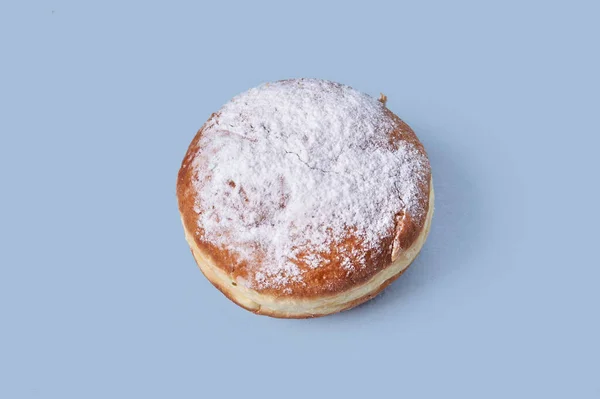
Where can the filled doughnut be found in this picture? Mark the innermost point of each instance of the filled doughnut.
(304, 197)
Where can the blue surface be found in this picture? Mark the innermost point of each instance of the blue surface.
(100, 297)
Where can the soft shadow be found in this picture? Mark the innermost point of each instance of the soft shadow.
(455, 230)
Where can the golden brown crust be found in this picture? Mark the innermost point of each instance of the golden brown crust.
(271, 313)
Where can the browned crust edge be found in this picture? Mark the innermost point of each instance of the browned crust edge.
(276, 315)
(346, 306)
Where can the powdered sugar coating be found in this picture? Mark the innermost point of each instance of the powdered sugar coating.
(296, 165)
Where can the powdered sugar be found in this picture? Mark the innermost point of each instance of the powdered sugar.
(296, 165)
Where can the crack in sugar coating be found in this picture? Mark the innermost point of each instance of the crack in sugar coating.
(287, 171)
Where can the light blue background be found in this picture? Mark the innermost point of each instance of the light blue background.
(100, 296)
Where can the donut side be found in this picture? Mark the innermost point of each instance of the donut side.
(317, 306)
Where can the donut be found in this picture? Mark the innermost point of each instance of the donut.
(304, 197)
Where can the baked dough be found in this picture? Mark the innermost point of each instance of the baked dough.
(304, 197)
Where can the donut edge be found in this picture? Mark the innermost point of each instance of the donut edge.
(291, 308)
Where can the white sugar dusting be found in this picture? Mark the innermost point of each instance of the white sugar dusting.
(295, 165)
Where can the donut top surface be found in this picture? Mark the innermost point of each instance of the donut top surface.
(304, 186)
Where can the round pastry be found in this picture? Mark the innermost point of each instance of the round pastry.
(304, 197)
